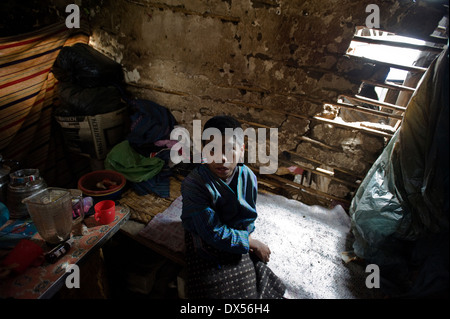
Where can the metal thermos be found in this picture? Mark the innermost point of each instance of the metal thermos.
(7, 166)
(22, 183)
(4, 179)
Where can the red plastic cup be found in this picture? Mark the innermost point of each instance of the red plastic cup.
(24, 254)
(105, 212)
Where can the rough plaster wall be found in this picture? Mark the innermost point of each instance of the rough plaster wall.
(269, 63)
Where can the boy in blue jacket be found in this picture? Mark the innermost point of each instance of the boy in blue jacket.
(219, 211)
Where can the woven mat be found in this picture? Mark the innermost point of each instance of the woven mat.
(144, 208)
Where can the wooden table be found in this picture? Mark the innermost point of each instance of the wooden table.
(44, 281)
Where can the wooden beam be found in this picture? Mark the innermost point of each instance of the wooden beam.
(421, 47)
(363, 99)
(436, 39)
(353, 127)
(318, 172)
(342, 170)
(367, 110)
(318, 143)
(390, 85)
(413, 69)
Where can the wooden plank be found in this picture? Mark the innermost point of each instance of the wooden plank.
(436, 39)
(302, 156)
(321, 144)
(321, 173)
(367, 110)
(363, 99)
(421, 47)
(414, 69)
(390, 85)
(353, 127)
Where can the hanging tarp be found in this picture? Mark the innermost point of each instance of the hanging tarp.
(400, 211)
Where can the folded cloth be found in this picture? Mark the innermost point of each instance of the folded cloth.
(135, 167)
(160, 185)
(166, 229)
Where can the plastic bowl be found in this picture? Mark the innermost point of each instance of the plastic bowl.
(87, 184)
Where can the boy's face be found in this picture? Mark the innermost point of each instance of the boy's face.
(224, 166)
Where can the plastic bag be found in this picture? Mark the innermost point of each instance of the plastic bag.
(376, 211)
(83, 65)
(77, 101)
(400, 212)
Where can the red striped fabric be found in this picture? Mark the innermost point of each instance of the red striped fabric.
(27, 93)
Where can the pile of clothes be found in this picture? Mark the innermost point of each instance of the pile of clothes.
(90, 83)
(144, 157)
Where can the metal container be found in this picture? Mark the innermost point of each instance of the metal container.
(4, 179)
(22, 184)
(23, 176)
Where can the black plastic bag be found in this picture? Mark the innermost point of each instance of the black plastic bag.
(83, 65)
(77, 101)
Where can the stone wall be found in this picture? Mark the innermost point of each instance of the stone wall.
(269, 63)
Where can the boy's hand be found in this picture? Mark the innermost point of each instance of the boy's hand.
(261, 250)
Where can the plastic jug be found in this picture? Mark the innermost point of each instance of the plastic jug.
(51, 211)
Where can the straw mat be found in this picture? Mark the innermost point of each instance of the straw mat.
(144, 208)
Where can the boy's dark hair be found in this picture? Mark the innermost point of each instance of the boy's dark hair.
(221, 122)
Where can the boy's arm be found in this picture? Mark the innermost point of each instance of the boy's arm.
(214, 232)
(200, 217)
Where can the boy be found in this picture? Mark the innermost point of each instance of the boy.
(219, 211)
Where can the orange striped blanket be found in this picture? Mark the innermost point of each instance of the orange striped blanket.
(27, 92)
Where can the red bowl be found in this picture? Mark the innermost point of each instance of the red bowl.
(87, 183)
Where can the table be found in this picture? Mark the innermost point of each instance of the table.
(44, 281)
